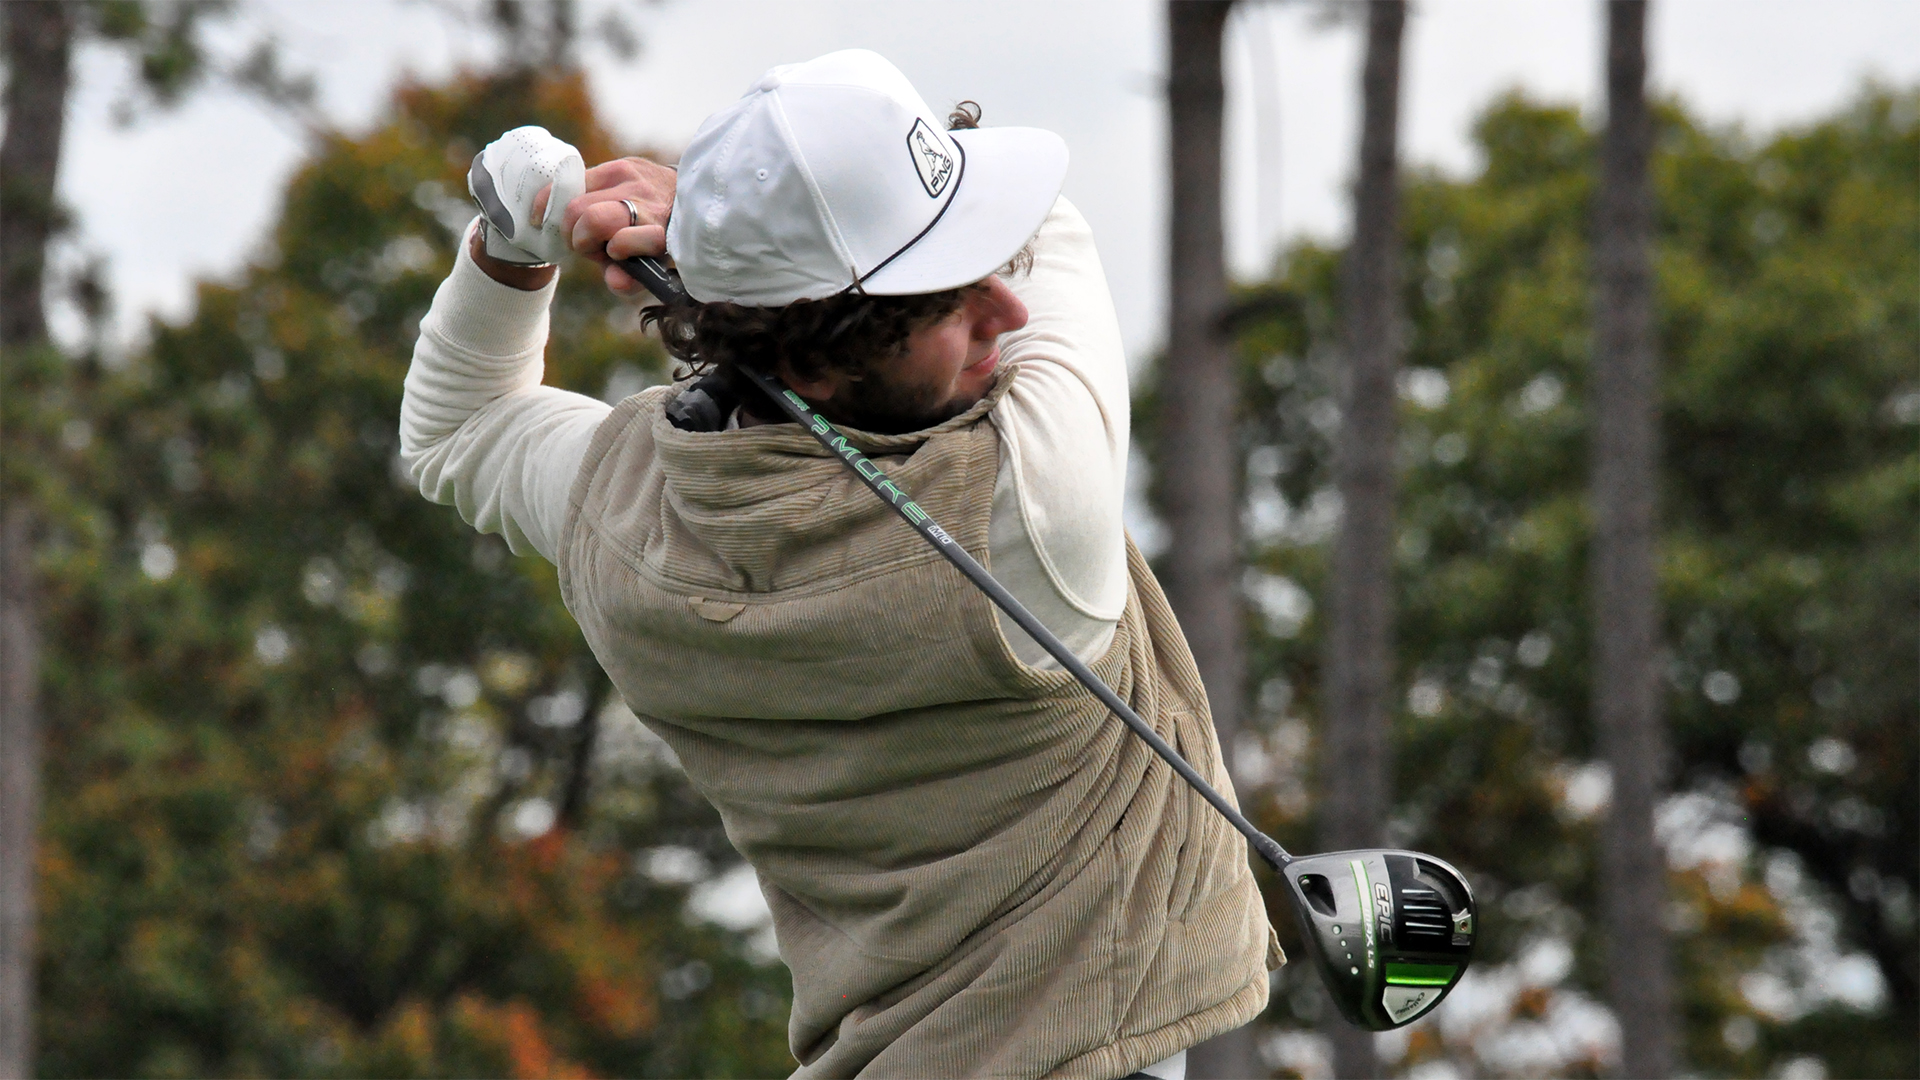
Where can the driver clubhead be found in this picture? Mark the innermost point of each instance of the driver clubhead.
(1390, 931)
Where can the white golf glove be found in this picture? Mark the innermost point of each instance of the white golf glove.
(504, 179)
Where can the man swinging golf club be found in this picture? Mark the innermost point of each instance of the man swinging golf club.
(973, 869)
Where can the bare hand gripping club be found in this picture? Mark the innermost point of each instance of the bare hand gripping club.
(1391, 932)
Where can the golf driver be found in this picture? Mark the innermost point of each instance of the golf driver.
(1391, 932)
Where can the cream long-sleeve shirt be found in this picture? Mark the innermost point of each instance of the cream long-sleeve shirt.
(479, 431)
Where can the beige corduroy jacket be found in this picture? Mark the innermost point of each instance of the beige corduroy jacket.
(973, 868)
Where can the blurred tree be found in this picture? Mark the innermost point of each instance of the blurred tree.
(1359, 661)
(39, 37)
(37, 41)
(317, 751)
(1626, 603)
(165, 41)
(1787, 272)
(1198, 486)
(1197, 390)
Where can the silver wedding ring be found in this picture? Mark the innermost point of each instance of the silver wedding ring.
(633, 212)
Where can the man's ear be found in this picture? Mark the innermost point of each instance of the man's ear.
(817, 391)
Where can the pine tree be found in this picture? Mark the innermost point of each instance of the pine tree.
(1359, 665)
(1626, 601)
(1199, 477)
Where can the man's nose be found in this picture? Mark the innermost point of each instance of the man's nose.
(1004, 312)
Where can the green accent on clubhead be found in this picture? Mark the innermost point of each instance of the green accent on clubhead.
(1420, 974)
(1366, 905)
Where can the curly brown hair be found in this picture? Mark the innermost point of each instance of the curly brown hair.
(850, 332)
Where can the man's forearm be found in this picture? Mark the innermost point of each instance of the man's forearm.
(476, 427)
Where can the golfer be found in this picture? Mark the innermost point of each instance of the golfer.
(974, 869)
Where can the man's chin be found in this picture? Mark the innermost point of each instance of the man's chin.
(954, 408)
(901, 418)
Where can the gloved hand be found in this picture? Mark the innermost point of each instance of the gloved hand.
(506, 176)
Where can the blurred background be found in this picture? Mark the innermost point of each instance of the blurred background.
(300, 776)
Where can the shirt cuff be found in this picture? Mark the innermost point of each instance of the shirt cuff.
(485, 318)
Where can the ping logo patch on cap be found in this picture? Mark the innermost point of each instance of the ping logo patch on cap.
(930, 159)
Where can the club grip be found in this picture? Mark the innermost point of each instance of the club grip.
(663, 283)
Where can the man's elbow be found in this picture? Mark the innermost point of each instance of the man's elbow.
(413, 448)
(421, 457)
(420, 435)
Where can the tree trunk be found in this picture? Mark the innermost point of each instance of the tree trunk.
(1626, 606)
(19, 790)
(1359, 661)
(39, 33)
(38, 42)
(1199, 458)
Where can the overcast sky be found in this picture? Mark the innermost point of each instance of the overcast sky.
(188, 194)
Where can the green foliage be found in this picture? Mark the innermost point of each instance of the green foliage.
(168, 47)
(1789, 296)
(164, 40)
(308, 734)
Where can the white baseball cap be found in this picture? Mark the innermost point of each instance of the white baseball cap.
(834, 173)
